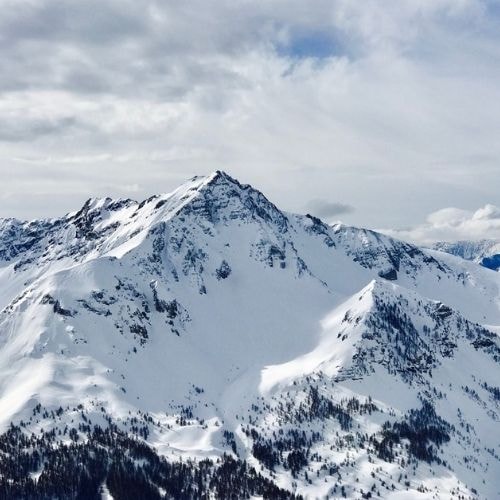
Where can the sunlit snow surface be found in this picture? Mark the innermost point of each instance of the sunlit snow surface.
(212, 299)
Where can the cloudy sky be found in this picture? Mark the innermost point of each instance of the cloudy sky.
(381, 113)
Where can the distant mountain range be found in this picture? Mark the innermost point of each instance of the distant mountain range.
(484, 252)
(206, 344)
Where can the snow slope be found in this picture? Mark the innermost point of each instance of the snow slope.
(238, 328)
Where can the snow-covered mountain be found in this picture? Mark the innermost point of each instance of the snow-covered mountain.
(205, 344)
(483, 252)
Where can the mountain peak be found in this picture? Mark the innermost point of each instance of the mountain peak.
(219, 196)
(214, 177)
(219, 176)
(220, 179)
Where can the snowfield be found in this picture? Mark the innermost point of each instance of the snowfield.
(336, 361)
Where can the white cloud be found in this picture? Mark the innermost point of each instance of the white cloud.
(399, 111)
(454, 224)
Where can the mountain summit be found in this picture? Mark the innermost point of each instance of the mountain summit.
(204, 343)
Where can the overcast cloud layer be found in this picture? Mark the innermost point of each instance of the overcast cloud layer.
(375, 112)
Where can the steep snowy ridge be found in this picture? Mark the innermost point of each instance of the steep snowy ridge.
(371, 249)
(411, 336)
(387, 326)
(335, 361)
